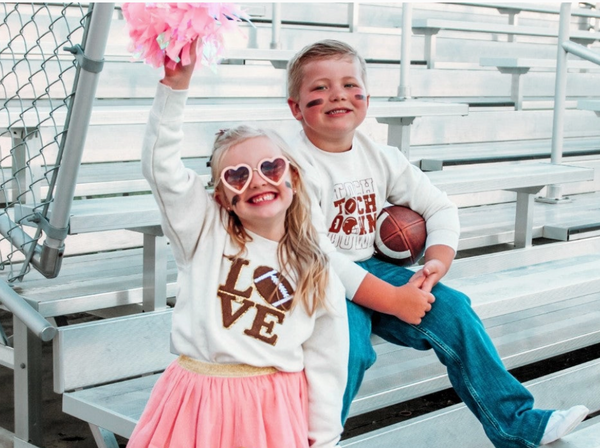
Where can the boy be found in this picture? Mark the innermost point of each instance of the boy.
(351, 178)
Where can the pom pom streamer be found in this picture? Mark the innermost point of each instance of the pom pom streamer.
(159, 29)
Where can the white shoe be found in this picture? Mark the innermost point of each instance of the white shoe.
(562, 423)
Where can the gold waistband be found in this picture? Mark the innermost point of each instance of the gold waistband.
(224, 370)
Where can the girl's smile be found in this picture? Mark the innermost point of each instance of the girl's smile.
(256, 186)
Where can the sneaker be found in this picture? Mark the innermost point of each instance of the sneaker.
(562, 423)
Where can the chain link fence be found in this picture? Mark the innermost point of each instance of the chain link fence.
(38, 74)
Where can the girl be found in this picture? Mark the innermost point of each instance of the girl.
(259, 321)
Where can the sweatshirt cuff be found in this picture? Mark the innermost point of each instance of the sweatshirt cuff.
(442, 237)
(170, 102)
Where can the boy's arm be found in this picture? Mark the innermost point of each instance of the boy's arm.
(438, 259)
(408, 303)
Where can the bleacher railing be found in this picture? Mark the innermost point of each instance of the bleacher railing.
(565, 46)
(50, 57)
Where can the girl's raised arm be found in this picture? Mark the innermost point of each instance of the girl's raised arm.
(179, 192)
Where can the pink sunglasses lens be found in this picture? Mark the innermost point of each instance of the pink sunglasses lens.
(273, 170)
(236, 178)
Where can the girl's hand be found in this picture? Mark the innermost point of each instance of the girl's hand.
(178, 78)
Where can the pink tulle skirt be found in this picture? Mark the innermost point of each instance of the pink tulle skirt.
(187, 409)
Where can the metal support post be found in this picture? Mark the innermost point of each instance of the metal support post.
(154, 296)
(28, 385)
(430, 47)
(405, 54)
(399, 132)
(524, 216)
(553, 194)
(103, 438)
(513, 19)
(516, 86)
(353, 16)
(26, 168)
(276, 27)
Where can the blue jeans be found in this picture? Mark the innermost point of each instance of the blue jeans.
(455, 333)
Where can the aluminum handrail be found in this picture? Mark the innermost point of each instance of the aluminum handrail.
(93, 56)
(47, 258)
(565, 46)
(405, 53)
(276, 27)
(23, 311)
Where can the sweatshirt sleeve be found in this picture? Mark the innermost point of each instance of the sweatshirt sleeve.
(409, 186)
(350, 274)
(179, 192)
(326, 366)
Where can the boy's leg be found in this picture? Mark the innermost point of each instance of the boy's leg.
(502, 404)
(361, 356)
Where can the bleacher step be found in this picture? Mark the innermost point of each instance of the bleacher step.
(530, 286)
(240, 111)
(470, 153)
(122, 403)
(574, 231)
(457, 426)
(587, 435)
(528, 337)
(6, 438)
(401, 374)
(494, 224)
(139, 211)
(7, 357)
(91, 282)
(593, 105)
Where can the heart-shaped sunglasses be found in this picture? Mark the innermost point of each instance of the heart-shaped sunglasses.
(237, 178)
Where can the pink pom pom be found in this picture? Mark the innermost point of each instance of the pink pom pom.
(167, 29)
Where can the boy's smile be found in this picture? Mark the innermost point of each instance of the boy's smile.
(332, 102)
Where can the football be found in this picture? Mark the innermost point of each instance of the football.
(400, 236)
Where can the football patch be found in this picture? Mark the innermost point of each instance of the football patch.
(273, 287)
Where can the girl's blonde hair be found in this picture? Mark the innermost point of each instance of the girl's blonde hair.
(298, 252)
(324, 49)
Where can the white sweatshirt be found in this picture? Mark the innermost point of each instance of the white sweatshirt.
(222, 314)
(352, 187)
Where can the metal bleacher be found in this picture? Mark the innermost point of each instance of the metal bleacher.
(456, 119)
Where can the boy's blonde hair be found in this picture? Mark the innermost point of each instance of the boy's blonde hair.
(324, 49)
(298, 252)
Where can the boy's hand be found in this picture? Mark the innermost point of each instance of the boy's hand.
(408, 303)
(179, 77)
(411, 302)
(438, 260)
(429, 275)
